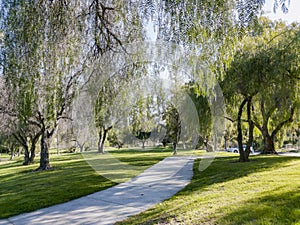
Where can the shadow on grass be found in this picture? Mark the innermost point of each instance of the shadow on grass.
(222, 169)
(25, 191)
(11, 164)
(283, 208)
(22, 190)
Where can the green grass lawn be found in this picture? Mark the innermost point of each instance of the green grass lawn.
(263, 191)
(23, 190)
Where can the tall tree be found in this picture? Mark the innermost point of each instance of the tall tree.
(40, 65)
(261, 75)
(46, 49)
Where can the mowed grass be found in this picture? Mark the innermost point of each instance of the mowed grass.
(263, 191)
(22, 190)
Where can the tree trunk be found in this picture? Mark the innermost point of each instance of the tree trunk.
(251, 128)
(32, 148)
(143, 143)
(12, 156)
(32, 153)
(81, 147)
(34, 140)
(243, 156)
(269, 147)
(26, 156)
(100, 147)
(174, 148)
(225, 143)
(23, 141)
(45, 145)
(209, 147)
(102, 139)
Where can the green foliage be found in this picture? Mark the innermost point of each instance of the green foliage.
(173, 124)
(142, 117)
(114, 139)
(266, 68)
(202, 105)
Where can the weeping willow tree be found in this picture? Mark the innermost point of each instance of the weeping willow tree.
(48, 45)
(263, 79)
(41, 66)
(112, 98)
(212, 29)
(46, 49)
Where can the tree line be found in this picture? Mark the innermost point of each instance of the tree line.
(51, 50)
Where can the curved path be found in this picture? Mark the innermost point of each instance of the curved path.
(154, 185)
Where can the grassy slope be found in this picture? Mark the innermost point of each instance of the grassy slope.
(263, 191)
(22, 190)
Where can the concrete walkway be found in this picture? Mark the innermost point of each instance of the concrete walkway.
(154, 185)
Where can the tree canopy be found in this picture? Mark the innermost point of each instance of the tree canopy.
(51, 49)
(264, 74)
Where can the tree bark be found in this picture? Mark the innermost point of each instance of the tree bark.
(102, 139)
(225, 143)
(44, 156)
(12, 155)
(23, 141)
(26, 156)
(174, 148)
(243, 155)
(269, 147)
(81, 147)
(34, 140)
(251, 128)
(32, 153)
(100, 147)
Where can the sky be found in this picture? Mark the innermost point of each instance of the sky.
(291, 16)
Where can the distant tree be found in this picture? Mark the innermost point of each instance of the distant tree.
(202, 105)
(114, 139)
(142, 118)
(82, 120)
(173, 125)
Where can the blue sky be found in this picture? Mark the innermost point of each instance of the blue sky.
(291, 16)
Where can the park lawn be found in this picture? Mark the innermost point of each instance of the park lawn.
(263, 191)
(23, 190)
